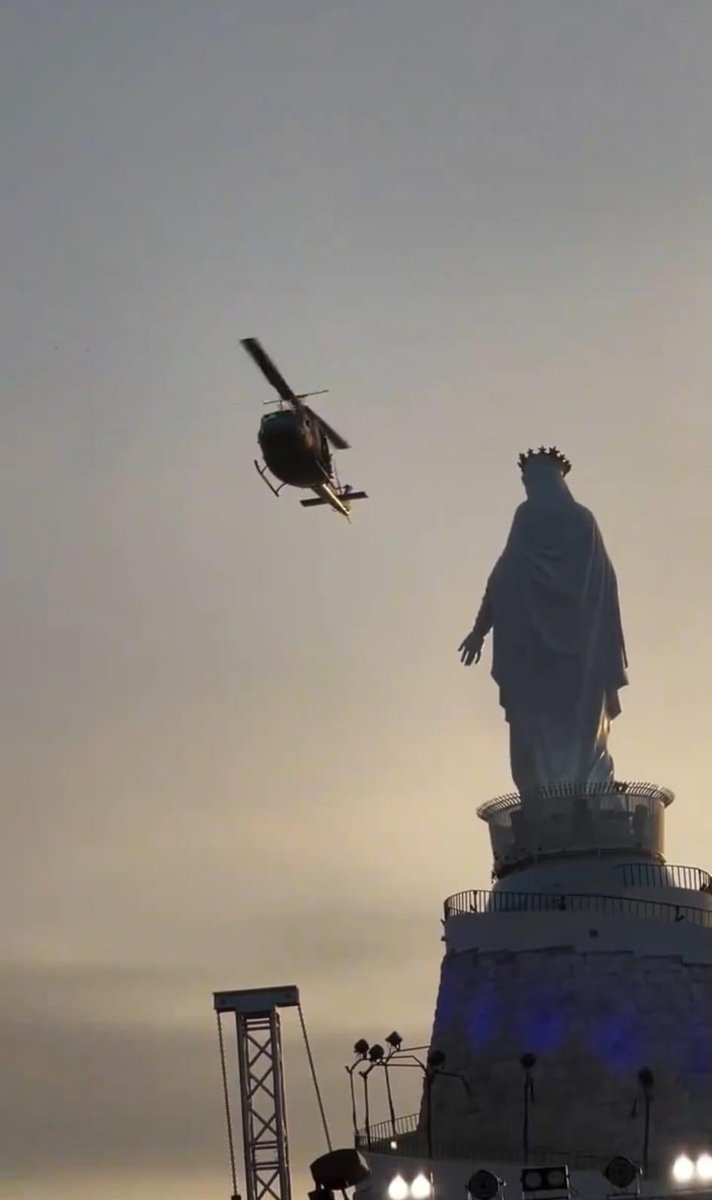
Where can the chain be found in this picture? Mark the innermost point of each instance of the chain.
(314, 1078)
(226, 1094)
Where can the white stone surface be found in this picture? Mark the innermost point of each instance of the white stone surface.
(582, 931)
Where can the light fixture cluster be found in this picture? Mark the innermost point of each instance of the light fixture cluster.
(693, 1170)
(419, 1188)
(545, 1179)
(376, 1052)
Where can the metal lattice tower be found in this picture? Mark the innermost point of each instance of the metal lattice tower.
(259, 1052)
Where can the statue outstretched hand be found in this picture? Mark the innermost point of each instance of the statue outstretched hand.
(471, 649)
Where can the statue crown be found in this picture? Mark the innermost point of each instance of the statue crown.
(547, 452)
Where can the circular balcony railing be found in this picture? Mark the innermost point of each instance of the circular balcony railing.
(576, 819)
(482, 903)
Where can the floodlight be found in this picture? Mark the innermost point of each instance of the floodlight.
(361, 1047)
(394, 1040)
(703, 1167)
(421, 1187)
(483, 1185)
(376, 1053)
(339, 1169)
(436, 1058)
(398, 1188)
(683, 1169)
(545, 1179)
(528, 1060)
(620, 1172)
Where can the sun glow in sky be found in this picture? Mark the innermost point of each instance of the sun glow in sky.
(237, 745)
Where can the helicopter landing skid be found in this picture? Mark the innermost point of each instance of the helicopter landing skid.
(262, 472)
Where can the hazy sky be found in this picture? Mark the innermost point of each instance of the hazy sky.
(237, 745)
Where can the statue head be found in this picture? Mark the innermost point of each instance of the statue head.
(551, 453)
(543, 471)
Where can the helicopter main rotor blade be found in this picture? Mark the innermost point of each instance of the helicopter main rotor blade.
(335, 438)
(268, 369)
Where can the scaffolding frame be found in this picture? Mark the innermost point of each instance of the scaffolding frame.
(261, 1069)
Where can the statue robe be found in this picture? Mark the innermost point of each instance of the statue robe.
(558, 648)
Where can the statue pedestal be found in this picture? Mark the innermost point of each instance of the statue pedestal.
(593, 955)
(575, 1000)
(593, 1016)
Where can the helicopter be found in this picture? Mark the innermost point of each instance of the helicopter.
(296, 443)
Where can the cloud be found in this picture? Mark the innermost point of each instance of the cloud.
(86, 1088)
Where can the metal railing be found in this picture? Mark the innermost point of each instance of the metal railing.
(482, 903)
(576, 819)
(388, 1131)
(407, 1140)
(653, 875)
(568, 791)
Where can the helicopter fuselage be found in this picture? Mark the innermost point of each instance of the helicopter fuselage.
(296, 443)
(294, 448)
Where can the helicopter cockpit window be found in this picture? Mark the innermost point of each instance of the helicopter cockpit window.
(284, 417)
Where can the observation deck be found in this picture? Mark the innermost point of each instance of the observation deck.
(576, 820)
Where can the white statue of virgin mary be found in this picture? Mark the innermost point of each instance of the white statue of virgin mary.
(558, 649)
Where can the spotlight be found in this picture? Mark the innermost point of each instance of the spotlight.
(398, 1188)
(483, 1185)
(545, 1179)
(361, 1047)
(528, 1060)
(394, 1040)
(531, 1181)
(620, 1172)
(376, 1053)
(421, 1187)
(703, 1167)
(338, 1170)
(683, 1169)
(436, 1058)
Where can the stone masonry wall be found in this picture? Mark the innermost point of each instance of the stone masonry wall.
(593, 1020)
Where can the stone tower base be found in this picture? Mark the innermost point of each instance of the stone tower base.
(593, 1019)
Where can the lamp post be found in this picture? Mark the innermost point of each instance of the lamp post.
(528, 1062)
(394, 1041)
(432, 1069)
(375, 1054)
(646, 1081)
(360, 1050)
(398, 1056)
